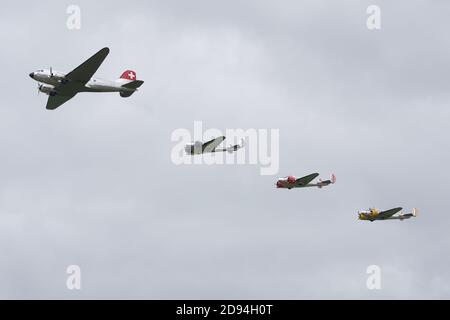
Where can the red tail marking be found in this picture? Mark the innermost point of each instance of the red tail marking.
(129, 75)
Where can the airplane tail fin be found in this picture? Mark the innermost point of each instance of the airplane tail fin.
(333, 178)
(236, 147)
(128, 75)
(409, 215)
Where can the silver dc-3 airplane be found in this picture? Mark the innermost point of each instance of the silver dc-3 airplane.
(61, 87)
(199, 147)
(373, 214)
(304, 182)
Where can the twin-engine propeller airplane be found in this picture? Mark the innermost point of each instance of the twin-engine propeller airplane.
(199, 147)
(304, 182)
(373, 214)
(61, 87)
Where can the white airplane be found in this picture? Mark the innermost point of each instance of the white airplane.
(199, 147)
(373, 214)
(304, 182)
(61, 87)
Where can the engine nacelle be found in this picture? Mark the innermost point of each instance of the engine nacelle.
(194, 148)
(291, 179)
(47, 89)
(198, 144)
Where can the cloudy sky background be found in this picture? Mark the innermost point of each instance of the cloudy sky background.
(92, 183)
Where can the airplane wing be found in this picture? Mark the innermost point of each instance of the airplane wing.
(211, 145)
(84, 72)
(56, 101)
(388, 213)
(78, 78)
(305, 180)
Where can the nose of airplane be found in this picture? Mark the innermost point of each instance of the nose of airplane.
(32, 75)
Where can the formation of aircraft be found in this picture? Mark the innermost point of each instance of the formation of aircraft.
(61, 87)
(199, 147)
(373, 214)
(304, 182)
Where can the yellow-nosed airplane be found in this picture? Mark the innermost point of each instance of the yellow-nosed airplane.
(373, 214)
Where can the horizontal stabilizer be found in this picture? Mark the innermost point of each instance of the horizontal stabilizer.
(133, 85)
(126, 94)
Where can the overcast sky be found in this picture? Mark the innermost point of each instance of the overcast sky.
(92, 183)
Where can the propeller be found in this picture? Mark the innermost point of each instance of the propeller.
(51, 72)
(39, 88)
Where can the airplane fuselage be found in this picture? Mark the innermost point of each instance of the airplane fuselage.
(289, 183)
(283, 183)
(192, 149)
(373, 214)
(56, 78)
(199, 147)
